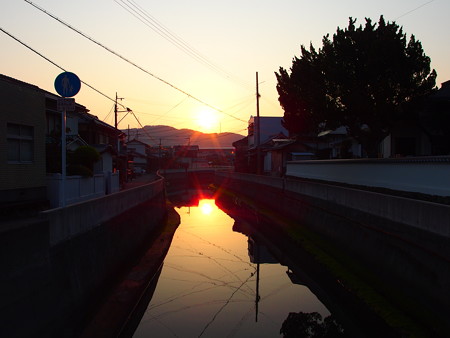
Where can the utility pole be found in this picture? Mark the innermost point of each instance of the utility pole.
(115, 120)
(257, 131)
(116, 111)
(159, 155)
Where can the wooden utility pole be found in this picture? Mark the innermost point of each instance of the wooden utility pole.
(257, 130)
(159, 155)
(116, 111)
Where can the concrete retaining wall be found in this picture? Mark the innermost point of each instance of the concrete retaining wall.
(55, 269)
(75, 219)
(180, 180)
(430, 217)
(384, 233)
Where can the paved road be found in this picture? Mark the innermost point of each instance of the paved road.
(139, 180)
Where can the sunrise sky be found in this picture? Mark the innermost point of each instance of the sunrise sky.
(198, 58)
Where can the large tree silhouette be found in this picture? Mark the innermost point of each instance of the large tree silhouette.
(310, 325)
(367, 78)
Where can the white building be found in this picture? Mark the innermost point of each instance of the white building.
(269, 126)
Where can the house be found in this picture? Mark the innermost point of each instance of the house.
(107, 153)
(266, 127)
(138, 153)
(261, 130)
(428, 134)
(333, 144)
(280, 149)
(82, 128)
(241, 159)
(220, 156)
(437, 120)
(405, 140)
(185, 155)
(30, 144)
(22, 143)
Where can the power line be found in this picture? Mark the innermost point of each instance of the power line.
(167, 112)
(413, 10)
(129, 61)
(53, 63)
(142, 15)
(143, 129)
(85, 83)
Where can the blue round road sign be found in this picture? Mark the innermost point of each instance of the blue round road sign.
(67, 84)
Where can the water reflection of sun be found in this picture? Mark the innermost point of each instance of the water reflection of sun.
(207, 206)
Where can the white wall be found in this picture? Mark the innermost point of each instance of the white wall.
(424, 175)
(78, 188)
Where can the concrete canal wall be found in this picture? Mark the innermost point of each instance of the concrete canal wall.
(405, 242)
(56, 268)
(73, 220)
(421, 215)
(178, 180)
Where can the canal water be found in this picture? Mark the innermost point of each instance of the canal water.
(218, 280)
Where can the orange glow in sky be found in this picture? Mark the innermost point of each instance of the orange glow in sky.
(208, 50)
(207, 120)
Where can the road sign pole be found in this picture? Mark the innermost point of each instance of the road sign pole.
(67, 85)
(62, 199)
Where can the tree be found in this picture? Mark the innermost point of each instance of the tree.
(310, 325)
(81, 161)
(367, 79)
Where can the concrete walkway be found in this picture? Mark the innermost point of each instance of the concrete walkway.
(139, 181)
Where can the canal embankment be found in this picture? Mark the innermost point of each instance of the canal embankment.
(123, 307)
(306, 263)
(402, 243)
(58, 267)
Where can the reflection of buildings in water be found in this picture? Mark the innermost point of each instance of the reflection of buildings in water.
(259, 253)
(294, 278)
(242, 227)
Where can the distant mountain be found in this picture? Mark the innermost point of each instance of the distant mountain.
(169, 136)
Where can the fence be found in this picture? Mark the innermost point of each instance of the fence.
(78, 218)
(79, 189)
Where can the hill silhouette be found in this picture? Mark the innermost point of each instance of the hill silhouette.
(170, 136)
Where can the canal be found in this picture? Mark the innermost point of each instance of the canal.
(222, 278)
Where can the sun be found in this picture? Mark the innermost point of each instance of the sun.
(206, 206)
(207, 120)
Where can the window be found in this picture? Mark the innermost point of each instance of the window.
(20, 141)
